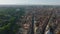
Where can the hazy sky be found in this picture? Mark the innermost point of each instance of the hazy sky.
(30, 2)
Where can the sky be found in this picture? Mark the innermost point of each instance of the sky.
(29, 2)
